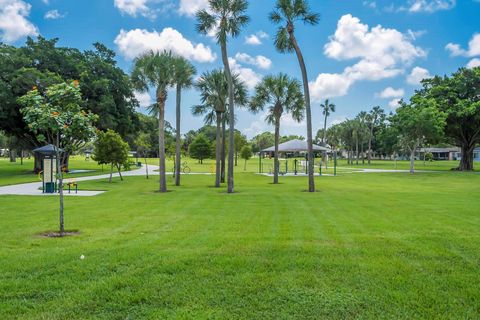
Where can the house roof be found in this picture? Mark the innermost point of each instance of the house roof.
(295, 146)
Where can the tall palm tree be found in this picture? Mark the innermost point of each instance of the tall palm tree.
(327, 109)
(183, 78)
(375, 119)
(287, 13)
(156, 70)
(225, 18)
(283, 95)
(213, 87)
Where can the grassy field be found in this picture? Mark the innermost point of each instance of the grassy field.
(12, 173)
(367, 246)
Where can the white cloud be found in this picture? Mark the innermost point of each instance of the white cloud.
(190, 7)
(382, 53)
(329, 85)
(13, 20)
(390, 92)
(370, 4)
(138, 41)
(430, 5)
(352, 39)
(53, 14)
(253, 40)
(47, 2)
(417, 75)
(247, 75)
(143, 98)
(258, 61)
(473, 63)
(256, 39)
(133, 7)
(394, 104)
(472, 51)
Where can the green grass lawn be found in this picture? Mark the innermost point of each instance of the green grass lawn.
(369, 246)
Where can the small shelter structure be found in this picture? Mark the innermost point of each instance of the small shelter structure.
(292, 147)
(48, 154)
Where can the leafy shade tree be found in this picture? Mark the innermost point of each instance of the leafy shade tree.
(213, 87)
(143, 146)
(458, 96)
(327, 109)
(418, 122)
(225, 18)
(375, 119)
(156, 70)
(262, 141)
(246, 153)
(56, 116)
(240, 142)
(283, 95)
(288, 12)
(200, 148)
(183, 78)
(109, 148)
(106, 89)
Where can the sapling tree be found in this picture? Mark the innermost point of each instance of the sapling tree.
(109, 148)
(246, 153)
(56, 115)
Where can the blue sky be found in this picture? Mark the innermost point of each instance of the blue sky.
(361, 54)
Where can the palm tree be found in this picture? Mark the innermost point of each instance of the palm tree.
(288, 12)
(283, 95)
(213, 87)
(375, 118)
(156, 70)
(183, 78)
(327, 109)
(225, 18)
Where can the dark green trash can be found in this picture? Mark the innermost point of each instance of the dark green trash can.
(49, 187)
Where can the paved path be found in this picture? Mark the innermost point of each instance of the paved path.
(33, 188)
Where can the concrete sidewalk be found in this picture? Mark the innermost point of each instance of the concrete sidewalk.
(34, 188)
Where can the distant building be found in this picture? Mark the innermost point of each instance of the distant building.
(449, 153)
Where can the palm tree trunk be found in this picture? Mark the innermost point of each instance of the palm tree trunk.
(224, 146)
(161, 143)
(324, 130)
(231, 138)
(178, 137)
(218, 151)
(277, 141)
(370, 146)
(356, 151)
(311, 181)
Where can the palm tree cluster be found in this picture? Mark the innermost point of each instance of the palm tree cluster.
(221, 91)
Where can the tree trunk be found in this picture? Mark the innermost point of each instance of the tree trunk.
(245, 166)
(224, 150)
(218, 151)
(146, 165)
(324, 130)
(161, 141)
(311, 181)
(177, 143)
(370, 146)
(37, 163)
(362, 153)
(21, 157)
(466, 164)
(111, 172)
(236, 158)
(356, 152)
(412, 161)
(119, 171)
(60, 187)
(277, 141)
(231, 105)
(13, 155)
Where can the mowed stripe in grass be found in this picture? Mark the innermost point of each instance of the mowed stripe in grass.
(365, 246)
